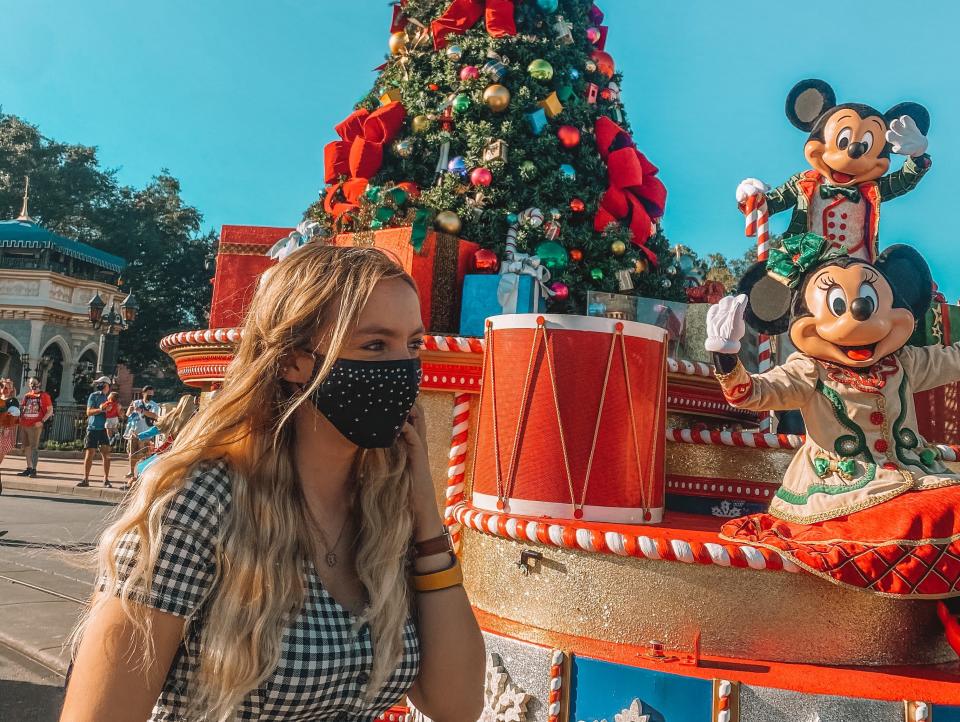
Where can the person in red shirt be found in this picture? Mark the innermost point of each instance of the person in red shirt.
(35, 409)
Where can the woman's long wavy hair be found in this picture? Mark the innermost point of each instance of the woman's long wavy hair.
(315, 294)
(176, 418)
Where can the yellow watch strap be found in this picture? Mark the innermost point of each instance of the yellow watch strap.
(435, 581)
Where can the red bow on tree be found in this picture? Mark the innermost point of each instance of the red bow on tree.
(634, 195)
(359, 154)
(464, 14)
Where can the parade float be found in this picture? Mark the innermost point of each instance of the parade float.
(607, 490)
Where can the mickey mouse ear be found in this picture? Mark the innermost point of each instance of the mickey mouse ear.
(807, 101)
(768, 309)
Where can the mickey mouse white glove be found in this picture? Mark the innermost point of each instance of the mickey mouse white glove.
(906, 138)
(725, 326)
(750, 187)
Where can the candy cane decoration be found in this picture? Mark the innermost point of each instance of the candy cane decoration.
(757, 224)
(556, 686)
(456, 471)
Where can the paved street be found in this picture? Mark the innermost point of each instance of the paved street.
(44, 580)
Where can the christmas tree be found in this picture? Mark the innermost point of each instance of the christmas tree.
(502, 121)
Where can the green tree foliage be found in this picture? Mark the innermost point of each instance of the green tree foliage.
(530, 177)
(150, 227)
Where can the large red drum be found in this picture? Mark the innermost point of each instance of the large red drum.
(571, 419)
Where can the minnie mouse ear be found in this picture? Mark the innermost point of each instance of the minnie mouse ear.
(807, 101)
(909, 276)
(768, 307)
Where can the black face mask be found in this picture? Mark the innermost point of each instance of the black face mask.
(368, 401)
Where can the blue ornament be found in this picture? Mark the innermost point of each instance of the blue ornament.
(568, 172)
(548, 6)
(458, 166)
(538, 120)
(596, 309)
(574, 74)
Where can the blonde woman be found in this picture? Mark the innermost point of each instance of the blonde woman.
(285, 558)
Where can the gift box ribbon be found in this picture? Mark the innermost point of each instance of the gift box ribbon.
(461, 15)
(520, 264)
(358, 154)
(634, 195)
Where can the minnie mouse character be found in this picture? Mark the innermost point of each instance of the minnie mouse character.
(848, 149)
(866, 492)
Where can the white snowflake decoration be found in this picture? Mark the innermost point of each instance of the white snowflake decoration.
(728, 510)
(503, 701)
(634, 713)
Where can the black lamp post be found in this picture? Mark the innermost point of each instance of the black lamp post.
(111, 323)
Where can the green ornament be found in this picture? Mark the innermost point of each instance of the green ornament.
(552, 255)
(596, 274)
(461, 103)
(540, 69)
(512, 218)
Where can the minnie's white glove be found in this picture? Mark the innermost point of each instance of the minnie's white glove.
(750, 187)
(906, 138)
(725, 326)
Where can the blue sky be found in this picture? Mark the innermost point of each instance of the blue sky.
(237, 98)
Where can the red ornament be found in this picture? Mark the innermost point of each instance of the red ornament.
(606, 94)
(577, 205)
(434, 87)
(593, 35)
(411, 188)
(604, 62)
(561, 291)
(486, 261)
(469, 72)
(481, 176)
(881, 445)
(576, 255)
(569, 136)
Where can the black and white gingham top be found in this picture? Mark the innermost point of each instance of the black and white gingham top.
(324, 664)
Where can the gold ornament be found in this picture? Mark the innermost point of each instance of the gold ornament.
(590, 66)
(641, 265)
(398, 42)
(618, 248)
(497, 97)
(420, 124)
(448, 222)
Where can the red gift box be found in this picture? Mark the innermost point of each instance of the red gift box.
(241, 258)
(438, 269)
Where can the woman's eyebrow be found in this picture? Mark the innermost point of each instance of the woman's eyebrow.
(388, 332)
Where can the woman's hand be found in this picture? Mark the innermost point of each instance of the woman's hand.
(427, 520)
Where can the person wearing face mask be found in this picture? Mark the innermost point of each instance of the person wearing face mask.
(96, 436)
(285, 558)
(36, 409)
(141, 415)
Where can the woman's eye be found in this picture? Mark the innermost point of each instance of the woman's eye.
(374, 346)
(868, 292)
(417, 345)
(867, 140)
(843, 138)
(836, 301)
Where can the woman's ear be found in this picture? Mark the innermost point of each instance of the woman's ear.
(768, 309)
(297, 367)
(917, 112)
(909, 276)
(807, 101)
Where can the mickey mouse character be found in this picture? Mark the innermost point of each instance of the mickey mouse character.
(848, 149)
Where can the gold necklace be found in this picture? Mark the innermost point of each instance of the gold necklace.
(331, 556)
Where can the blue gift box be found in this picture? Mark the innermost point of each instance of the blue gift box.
(480, 301)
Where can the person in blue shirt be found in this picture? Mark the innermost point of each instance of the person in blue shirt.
(96, 436)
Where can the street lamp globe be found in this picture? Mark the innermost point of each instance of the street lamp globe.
(129, 308)
(95, 309)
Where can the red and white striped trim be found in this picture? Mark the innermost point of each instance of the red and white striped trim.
(570, 535)
(555, 702)
(459, 344)
(745, 439)
(689, 368)
(949, 452)
(200, 338)
(703, 405)
(457, 469)
(722, 707)
(397, 713)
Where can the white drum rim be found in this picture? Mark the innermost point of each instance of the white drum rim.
(554, 510)
(572, 322)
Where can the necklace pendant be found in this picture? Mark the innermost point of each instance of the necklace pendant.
(331, 559)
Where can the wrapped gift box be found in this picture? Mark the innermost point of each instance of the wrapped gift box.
(480, 301)
(438, 268)
(241, 258)
(695, 333)
(938, 410)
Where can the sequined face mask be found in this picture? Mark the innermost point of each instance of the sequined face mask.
(368, 401)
